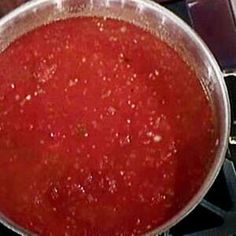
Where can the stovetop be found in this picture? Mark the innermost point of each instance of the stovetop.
(216, 214)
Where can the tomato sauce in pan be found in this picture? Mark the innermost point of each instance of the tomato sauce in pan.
(104, 130)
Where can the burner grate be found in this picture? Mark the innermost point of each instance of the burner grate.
(209, 218)
(229, 217)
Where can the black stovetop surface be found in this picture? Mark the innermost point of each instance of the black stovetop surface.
(216, 214)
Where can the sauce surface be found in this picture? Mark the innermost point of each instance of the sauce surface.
(104, 130)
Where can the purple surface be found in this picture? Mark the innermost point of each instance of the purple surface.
(215, 23)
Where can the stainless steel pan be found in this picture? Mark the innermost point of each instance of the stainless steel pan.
(162, 23)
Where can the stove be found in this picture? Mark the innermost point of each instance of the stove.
(215, 22)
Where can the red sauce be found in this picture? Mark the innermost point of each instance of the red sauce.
(104, 130)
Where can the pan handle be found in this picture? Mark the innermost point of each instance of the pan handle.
(230, 79)
(229, 73)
